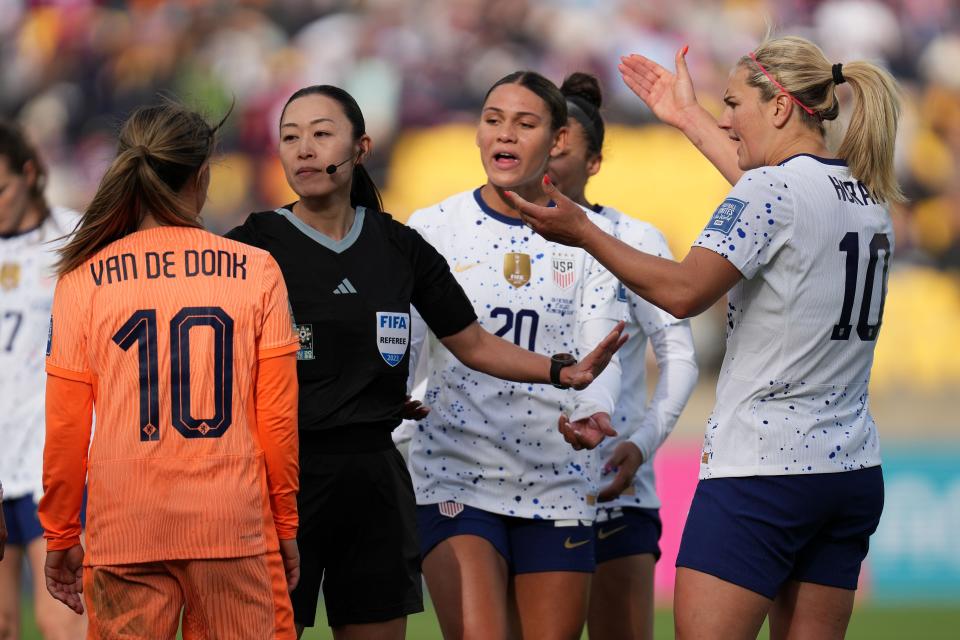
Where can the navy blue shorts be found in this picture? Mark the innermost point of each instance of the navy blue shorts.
(528, 545)
(23, 522)
(23, 525)
(759, 532)
(626, 531)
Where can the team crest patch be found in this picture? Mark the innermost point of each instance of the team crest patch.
(564, 274)
(726, 216)
(516, 268)
(305, 333)
(9, 275)
(393, 335)
(450, 509)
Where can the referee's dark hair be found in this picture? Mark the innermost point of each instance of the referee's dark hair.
(544, 88)
(363, 190)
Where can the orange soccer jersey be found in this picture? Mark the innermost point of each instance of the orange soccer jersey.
(173, 334)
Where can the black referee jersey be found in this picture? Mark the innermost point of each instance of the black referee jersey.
(351, 303)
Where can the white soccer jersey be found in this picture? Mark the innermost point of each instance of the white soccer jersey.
(492, 444)
(814, 249)
(648, 425)
(26, 296)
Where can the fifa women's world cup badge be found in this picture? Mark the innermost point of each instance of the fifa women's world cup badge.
(516, 268)
(9, 275)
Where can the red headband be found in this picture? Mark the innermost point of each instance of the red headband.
(782, 88)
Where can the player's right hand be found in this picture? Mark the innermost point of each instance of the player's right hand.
(586, 433)
(290, 554)
(64, 576)
(580, 375)
(413, 409)
(668, 95)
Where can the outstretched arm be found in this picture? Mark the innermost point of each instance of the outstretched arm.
(682, 289)
(672, 99)
(482, 351)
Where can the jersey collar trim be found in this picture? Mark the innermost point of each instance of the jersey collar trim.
(839, 162)
(337, 246)
(499, 217)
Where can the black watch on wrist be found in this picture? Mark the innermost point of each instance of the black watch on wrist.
(559, 361)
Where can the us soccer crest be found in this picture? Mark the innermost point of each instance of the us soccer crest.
(9, 275)
(564, 273)
(393, 335)
(516, 268)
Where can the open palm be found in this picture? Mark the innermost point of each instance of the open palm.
(668, 95)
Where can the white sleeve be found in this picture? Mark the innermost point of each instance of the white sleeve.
(419, 356)
(598, 313)
(676, 360)
(754, 222)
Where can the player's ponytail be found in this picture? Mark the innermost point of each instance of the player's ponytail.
(161, 147)
(363, 190)
(584, 98)
(801, 69)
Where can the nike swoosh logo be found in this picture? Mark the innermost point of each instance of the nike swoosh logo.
(569, 544)
(460, 268)
(603, 535)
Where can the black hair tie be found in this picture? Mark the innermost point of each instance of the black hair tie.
(838, 73)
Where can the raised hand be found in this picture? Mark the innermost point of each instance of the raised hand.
(580, 375)
(64, 575)
(586, 433)
(626, 459)
(668, 95)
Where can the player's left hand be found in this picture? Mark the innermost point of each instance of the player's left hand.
(64, 574)
(586, 433)
(626, 459)
(413, 409)
(580, 375)
(566, 223)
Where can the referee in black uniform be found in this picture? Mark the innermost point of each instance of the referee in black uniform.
(352, 273)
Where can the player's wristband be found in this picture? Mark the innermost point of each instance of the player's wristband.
(559, 361)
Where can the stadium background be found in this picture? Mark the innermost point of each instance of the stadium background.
(71, 69)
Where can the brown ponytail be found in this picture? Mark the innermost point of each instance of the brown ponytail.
(161, 147)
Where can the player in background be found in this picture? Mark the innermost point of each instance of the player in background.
(182, 342)
(791, 487)
(504, 506)
(30, 232)
(353, 274)
(628, 525)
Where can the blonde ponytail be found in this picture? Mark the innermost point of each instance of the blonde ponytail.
(801, 68)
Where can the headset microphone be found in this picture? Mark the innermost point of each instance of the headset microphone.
(332, 168)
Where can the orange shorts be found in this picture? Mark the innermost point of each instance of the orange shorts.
(218, 598)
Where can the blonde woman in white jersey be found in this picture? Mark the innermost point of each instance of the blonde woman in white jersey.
(791, 487)
(28, 227)
(627, 529)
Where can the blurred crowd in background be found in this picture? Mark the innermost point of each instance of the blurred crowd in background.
(71, 69)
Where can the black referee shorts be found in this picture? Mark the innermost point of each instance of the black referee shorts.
(357, 534)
